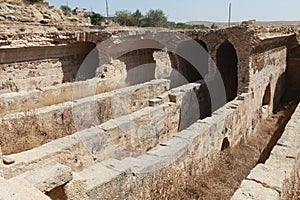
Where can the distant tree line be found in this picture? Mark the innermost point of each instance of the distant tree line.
(152, 18)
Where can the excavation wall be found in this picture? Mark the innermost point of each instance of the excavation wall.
(128, 176)
(110, 137)
(268, 68)
(33, 128)
(35, 67)
(293, 73)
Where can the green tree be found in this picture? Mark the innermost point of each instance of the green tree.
(66, 10)
(171, 25)
(125, 18)
(96, 19)
(181, 25)
(214, 26)
(137, 14)
(155, 18)
(138, 17)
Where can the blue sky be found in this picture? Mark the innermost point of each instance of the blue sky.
(199, 10)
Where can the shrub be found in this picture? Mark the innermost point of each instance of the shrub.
(96, 19)
(66, 10)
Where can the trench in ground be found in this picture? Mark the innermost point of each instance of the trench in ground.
(226, 170)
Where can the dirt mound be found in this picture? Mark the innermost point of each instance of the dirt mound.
(22, 11)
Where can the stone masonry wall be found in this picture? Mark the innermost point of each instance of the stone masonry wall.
(35, 67)
(293, 73)
(128, 177)
(268, 68)
(52, 122)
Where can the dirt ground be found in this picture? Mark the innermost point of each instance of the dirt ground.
(291, 190)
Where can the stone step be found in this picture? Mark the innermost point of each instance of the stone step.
(90, 183)
(112, 175)
(18, 190)
(47, 177)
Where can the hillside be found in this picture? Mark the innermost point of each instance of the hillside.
(20, 16)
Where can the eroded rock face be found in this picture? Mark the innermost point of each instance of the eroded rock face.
(22, 11)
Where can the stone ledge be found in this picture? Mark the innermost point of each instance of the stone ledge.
(98, 143)
(47, 177)
(19, 190)
(250, 190)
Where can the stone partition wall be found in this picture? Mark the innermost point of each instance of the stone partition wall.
(268, 68)
(35, 127)
(35, 67)
(130, 176)
(293, 73)
(129, 135)
(47, 96)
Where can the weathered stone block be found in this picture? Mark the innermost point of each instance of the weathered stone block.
(47, 177)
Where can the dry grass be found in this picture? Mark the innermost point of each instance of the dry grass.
(30, 131)
(292, 187)
(226, 170)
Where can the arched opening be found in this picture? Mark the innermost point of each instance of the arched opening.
(191, 60)
(227, 65)
(82, 63)
(203, 57)
(137, 55)
(267, 96)
(225, 144)
(140, 65)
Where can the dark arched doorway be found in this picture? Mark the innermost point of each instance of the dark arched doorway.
(227, 65)
(267, 96)
(191, 60)
(83, 62)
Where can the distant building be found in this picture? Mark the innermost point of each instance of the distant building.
(79, 11)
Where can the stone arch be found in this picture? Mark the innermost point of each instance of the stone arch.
(227, 61)
(86, 61)
(140, 65)
(137, 55)
(191, 59)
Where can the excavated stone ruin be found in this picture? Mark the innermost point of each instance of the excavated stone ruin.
(103, 114)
